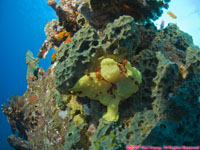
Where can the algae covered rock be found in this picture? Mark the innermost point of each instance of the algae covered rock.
(88, 47)
(100, 12)
(179, 39)
(32, 64)
(122, 31)
(34, 72)
(75, 57)
(193, 60)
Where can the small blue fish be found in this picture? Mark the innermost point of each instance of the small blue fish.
(162, 24)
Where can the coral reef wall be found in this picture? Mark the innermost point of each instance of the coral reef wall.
(53, 115)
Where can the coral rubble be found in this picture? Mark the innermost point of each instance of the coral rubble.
(96, 43)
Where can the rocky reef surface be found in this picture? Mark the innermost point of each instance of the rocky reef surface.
(109, 59)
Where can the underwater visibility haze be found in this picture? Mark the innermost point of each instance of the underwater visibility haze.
(99, 74)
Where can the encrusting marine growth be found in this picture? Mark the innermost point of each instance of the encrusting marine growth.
(115, 82)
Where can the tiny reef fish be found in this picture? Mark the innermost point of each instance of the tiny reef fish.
(67, 33)
(62, 34)
(130, 11)
(76, 12)
(68, 40)
(162, 24)
(53, 56)
(62, 2)
(171, 14)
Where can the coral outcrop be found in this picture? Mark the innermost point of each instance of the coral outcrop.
(84, 51)
(96, 44)
(33, 67)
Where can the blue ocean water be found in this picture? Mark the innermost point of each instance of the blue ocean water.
(22, 25)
